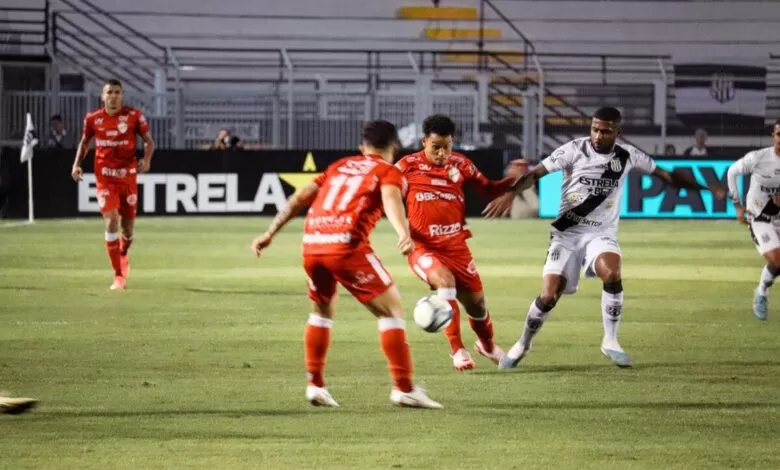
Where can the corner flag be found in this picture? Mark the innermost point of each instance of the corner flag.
(30, 139)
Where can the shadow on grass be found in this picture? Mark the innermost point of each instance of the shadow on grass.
(552, 369)
(228, 291)
(676, 405)
(171, 413)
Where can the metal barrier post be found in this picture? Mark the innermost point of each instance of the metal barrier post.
(659, 102)
(290, 99)
(160, 85)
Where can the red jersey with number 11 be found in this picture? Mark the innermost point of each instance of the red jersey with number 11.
(348, 204)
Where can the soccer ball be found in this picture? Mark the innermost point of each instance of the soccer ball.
(432, 313)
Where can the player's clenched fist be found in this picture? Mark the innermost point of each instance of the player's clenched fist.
(76, 173)
(405, 244)
(260, 243)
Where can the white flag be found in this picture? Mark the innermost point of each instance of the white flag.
(30, 139)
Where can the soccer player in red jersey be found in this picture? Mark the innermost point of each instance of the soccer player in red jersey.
(436, 209)
(346, 202)
(116, 128)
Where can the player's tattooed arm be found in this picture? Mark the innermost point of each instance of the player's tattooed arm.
(295, 204)
(683, 180)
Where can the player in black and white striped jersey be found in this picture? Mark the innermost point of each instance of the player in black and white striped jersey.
(761, 211)
(584, 236)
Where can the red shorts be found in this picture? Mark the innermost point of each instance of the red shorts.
(360, 272)
(458, 260)
(118, 194)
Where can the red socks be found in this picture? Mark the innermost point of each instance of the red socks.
(484, 331)
(392, 336)
(316, 339)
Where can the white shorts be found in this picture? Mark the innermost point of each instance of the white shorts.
(570, 253)
(766, 236)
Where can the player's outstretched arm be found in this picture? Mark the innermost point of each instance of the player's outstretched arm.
(502, 205)
(295, 204)
(682, 180)
(393, 204)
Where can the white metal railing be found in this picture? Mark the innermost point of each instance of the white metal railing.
(279, 119)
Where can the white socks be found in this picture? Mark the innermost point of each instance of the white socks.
(611, 313)
(766, 281)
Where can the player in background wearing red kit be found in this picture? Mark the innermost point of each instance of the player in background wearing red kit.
(346, 203)
(435, 205)
(116, 128)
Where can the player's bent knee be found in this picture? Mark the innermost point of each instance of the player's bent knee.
(610, 276)
(546, 302)
(773, 259)
(477, 309)
(442, 279)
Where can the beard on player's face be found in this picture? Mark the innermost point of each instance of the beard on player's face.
(438, 148)
(603, 135)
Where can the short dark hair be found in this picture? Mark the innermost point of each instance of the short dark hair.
(609, 114)
(113, 82)
(438, 124)
(777, 123)
(380, 134)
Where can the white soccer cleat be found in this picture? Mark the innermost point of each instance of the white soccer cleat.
(495, 355)
(118, 284)
(320, 396)
(511, 359)
(417, 398)
(15, 406)
(462, 360)
(616, 354)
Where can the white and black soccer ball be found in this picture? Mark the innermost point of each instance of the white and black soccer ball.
(432, 313)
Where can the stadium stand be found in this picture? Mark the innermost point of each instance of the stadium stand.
(282, 79)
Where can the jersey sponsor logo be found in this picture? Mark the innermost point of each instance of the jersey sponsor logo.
(329, 221)
(435, 196)
(438, 182)
(116, 172)
(111, 143)
(770, 189)
(581, 220)
(441, 230)
(318, 238)
(454, 174)
(122, 127)
(111, 133)
(576, 198)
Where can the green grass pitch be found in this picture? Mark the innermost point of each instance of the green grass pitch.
(200, 363)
